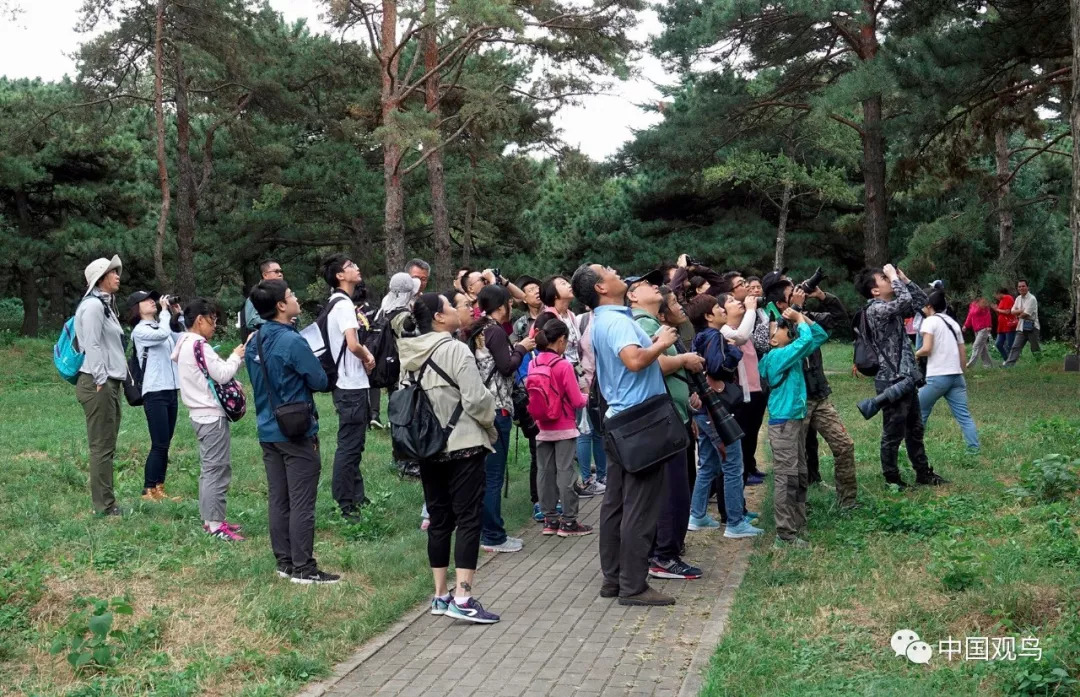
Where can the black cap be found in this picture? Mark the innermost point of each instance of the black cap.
(772, 278)
(654, 277)
(523, 281)
(140, 295)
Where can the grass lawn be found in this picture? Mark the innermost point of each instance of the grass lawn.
(209, 618)
(971, 559)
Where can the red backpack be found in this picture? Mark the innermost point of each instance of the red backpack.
(545, 399)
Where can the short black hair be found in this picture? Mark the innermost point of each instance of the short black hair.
(866, 281)
(1022, 280)
(548, 292)
(583, 284)
(699, 307)
(266, 295)
(751, 279)
(265, 264)
(332, 266)
(727, 284)
(776, 291)
(202, 307)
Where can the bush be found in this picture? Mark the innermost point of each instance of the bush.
(956, 563)
(1048, 479)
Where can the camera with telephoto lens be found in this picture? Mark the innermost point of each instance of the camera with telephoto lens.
(810, 285)
(898, 390)
(691, 261)
(722, 420)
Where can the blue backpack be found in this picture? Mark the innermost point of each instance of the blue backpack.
(67, 357)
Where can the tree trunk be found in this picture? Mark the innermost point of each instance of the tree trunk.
(781, 228)
(875, 222)
(58, 308)
(1074, 123)
(28, 292)
(1005, 215)
(470, 214)
(163, 171)
(185, 189)
(436, 178)
(394, 213)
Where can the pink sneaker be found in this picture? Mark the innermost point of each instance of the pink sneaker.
(234, 528)
(224, 532)
(425, 523)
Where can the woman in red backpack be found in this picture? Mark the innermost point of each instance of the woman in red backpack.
(554, 397)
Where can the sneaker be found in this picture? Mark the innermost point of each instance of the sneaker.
(743, 529)
(510, 545)
(538, 515)
(425, 523)
(574, 529)
(704, 523)
(234, 528)
(583, 492)
(755, 479)
(439, 606)
(931, 480)
(558, 508)
(375, 423)
(673, 568)
(223, 532)
(551, 527)
(650, 596)
(609, 590)
(471, 611)
(797, 542)
(750, 515)
(285, 570)
(112, 511)
(594, 488)
(314, 575)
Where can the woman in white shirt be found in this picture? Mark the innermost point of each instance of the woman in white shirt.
(154, 340)
(943, 346)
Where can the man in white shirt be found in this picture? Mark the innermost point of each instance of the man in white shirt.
(1026, 309)
(351, 391)
(943, 347)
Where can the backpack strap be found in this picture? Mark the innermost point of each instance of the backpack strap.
(262, 364)
(324, 329)
(460, 408)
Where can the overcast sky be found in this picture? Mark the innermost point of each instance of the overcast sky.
(41, 41)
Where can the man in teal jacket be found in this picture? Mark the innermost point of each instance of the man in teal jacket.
(277, 352)
(791, 340)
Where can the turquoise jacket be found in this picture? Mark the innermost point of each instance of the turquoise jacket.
(781, 370)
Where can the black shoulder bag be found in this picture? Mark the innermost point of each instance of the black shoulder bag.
(134, 380)
(293, 418)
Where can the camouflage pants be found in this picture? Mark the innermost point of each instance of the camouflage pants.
(822, 416)
(787, 441)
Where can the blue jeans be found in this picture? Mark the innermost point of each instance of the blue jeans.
(492, 531)
(1004, 343)
(954, 389)
(591, 444)
(712, 465)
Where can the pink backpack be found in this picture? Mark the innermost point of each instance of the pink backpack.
(545, 399)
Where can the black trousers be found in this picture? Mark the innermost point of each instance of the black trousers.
(347, 482)
(374, 405)
(674, 510)
(813, 465)
(749, 416)
(454, 493)
(628, 517)
(534, 496)
(902, 421)
(292, 478)
(160, 409)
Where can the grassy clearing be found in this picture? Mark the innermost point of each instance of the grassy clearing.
(208, 618)
(967, 560)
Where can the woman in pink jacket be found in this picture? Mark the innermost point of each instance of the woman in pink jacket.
(554, 397)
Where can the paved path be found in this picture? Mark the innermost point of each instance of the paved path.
(557, 636)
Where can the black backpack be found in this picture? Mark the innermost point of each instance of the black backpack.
(867, 358)
(415, 430)
(382, 343)
(329, 364)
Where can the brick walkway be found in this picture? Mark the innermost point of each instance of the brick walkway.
(557, 635)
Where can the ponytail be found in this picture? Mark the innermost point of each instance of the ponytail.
(423, 313)
(549, 329)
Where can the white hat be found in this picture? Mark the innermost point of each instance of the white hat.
(97, 269)
(403, 288)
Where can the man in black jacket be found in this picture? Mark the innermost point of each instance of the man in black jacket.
(821, 415)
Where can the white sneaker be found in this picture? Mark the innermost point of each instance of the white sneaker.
(595, 488)
(512, 544)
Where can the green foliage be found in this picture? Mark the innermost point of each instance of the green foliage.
(86, 634)
(1049, 478)
(957, 564)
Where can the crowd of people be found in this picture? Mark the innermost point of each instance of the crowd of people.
(655, 352)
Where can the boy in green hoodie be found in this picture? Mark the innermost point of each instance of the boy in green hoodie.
(781, 369)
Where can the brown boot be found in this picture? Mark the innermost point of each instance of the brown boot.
(160, 488)
(650, 596)
(151, 495)
(609, 590)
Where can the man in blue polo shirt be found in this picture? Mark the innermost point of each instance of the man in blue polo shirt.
(628, 373)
